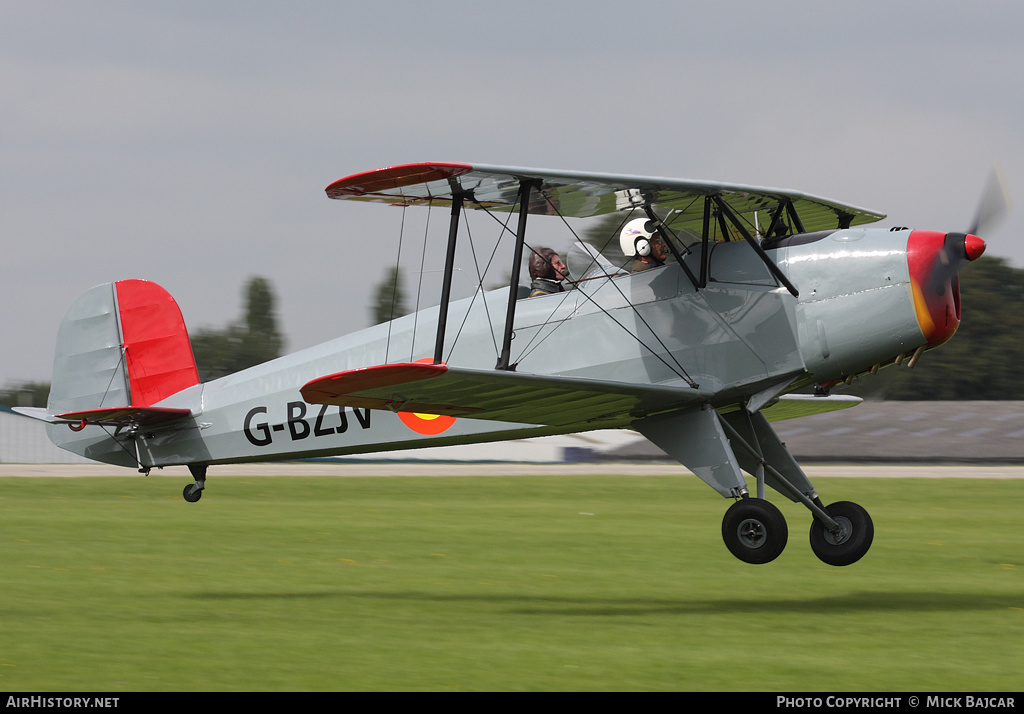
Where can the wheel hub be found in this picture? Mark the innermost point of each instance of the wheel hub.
(842, 533)
(752, 533)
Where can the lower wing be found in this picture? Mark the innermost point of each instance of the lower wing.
(525, 398)
(495, 394)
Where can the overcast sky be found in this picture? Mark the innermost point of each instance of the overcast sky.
(190, 143)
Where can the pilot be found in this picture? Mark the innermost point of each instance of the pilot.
(647, 248)
(546, 272)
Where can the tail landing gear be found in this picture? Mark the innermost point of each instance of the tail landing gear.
(194, 491)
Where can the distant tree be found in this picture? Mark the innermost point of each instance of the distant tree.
(25, 394)
(389, 298)
(253, 340)
(261, 341)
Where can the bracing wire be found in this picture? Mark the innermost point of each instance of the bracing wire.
(113, 436)
(394, 290)
(419, 286)
(480, 277)
(593, 262)
(534, 343)
(478, 292)
(681, 372)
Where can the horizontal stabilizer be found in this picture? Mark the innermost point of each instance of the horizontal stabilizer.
(37, 413)
(122, 416)
(495, 394)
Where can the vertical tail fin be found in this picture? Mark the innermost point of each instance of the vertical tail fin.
(121, 348)
(121, 344)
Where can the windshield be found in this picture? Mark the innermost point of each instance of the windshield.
(585, 263)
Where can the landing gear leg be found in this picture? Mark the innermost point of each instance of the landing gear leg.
(718, 448)
(841, 533)
(194, 491)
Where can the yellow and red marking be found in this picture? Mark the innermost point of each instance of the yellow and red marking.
(426, 424)
(938, 313)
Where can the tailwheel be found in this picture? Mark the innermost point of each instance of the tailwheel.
(755, 531)
(850, 541)
(194, 491)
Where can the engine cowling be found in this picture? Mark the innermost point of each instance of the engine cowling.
(935, 259)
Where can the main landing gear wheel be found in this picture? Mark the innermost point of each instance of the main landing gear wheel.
(754, 531)
(850, 542)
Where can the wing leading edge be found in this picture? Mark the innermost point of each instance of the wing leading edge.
(496, 395)
(582, 194)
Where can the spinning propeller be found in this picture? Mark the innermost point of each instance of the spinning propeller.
(995, 201)
(936, 259)
(958, 249)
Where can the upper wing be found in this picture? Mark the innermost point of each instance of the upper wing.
(495, 394)
(581, 194)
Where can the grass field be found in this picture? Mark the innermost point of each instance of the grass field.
(498, 583)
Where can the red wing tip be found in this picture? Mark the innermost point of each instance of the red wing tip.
(382, 375)
(395, 177)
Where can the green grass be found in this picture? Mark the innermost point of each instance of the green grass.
(497, 583)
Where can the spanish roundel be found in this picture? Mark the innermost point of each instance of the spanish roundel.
(426, 424)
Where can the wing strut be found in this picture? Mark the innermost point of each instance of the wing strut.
(663, 231)
(772, 267)
(705, 253)
(525, 187)
(449, 269)
(777, 217)
(798, 225)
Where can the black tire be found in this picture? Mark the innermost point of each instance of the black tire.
(755, 531)
(852, 543)
(192, 495)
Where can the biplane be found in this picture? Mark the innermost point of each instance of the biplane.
(767, 300)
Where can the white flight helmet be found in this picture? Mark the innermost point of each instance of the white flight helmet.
(635, 238)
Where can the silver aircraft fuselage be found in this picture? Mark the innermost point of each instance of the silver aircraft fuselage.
(741, 337)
